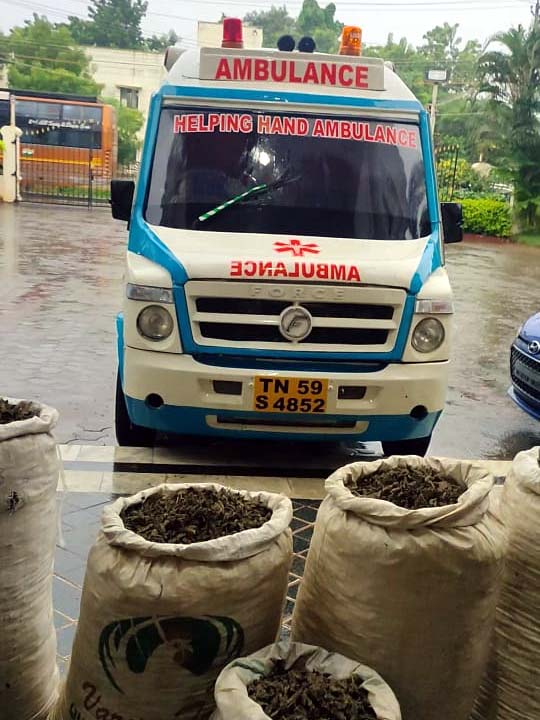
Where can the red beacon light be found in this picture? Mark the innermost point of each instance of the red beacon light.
(232, 33)
(351, 41)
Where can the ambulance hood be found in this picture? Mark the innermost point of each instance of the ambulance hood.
(278, 258)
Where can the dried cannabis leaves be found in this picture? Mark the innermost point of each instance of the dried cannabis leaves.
(194, 515)
(302, 695)
(409, 487)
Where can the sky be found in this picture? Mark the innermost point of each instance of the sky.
(478, 19)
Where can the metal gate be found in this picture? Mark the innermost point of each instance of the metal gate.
(446, 157)
(65, 176)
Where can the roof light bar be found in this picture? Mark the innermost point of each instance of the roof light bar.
(351, 41)
(232, 33)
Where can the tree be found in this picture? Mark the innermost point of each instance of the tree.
(129, 122)
(320, 24)
(409, 64)
(112, 23)
(274, 23)
(158, 43)
(512, 78)
(42, 58)
(315, 21)
(441, 46)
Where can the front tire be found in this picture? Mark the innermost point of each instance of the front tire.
(414, 446)
(127, 433)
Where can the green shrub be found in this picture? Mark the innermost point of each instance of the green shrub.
(487, 217)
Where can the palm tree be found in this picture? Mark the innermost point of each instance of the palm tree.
(512, 77)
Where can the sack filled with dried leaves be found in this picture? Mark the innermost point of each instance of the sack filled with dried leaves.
(302, 682)
(511, 688)
(181, 580)
(409, 588)
(29, 468)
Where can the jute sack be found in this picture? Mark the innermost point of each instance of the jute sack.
(29, 468)
(511, 688)
(234, 703)
(159, 621)
(411, 592)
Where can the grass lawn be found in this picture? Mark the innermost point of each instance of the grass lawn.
(529, 239)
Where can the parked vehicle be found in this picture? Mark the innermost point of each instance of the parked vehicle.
(64, 137)
(285, 270)
(525, 367)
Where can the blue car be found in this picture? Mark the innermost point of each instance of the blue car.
(525, 367)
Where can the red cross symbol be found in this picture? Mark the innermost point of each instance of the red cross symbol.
(297, 248)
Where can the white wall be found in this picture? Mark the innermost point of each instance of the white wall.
(210, 34)
(115, 69)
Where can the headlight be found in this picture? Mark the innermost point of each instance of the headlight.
(428, 335)
(155, 323)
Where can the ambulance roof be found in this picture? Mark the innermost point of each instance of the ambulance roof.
(191, 70)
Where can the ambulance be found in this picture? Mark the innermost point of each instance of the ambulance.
(285, 274)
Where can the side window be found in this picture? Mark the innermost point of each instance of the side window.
(129, 97)
(26, 108)
(48, 111)
(75, 113)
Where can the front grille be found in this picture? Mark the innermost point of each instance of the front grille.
(270, 333)
(275, 307)
(345, 319)
(525, 373)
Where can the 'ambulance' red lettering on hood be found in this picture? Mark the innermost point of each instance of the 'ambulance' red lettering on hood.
(296, 270)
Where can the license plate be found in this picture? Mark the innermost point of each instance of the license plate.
(290, 395)
(527, 375)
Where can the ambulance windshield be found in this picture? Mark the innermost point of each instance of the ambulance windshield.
(329, 176)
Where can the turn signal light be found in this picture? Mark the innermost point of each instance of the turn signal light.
(232, 33)
(351, 41)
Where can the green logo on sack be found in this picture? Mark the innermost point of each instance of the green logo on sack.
(198, 644)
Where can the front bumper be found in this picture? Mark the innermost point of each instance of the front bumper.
(521, 402)
(192, 406)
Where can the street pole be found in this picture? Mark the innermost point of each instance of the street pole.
(436, 77)
(434, 94)
(12, 110)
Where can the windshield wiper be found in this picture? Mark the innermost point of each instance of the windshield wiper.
(255, 190)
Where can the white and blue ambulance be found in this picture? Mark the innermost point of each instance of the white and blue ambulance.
(285, 271)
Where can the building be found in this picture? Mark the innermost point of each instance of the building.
(129, 76)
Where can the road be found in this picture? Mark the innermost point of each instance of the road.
(61, 286)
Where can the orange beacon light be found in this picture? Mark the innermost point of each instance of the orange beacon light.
(351, 41)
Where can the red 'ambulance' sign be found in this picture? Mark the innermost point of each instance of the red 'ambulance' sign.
(252, 66)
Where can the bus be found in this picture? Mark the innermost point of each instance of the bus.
(65, 139)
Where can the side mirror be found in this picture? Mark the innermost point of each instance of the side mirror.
(452, 221)
(122, 192)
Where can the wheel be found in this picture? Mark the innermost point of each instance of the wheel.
(128, 434)
(414, 446)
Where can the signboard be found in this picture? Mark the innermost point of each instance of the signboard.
(437, 76)
(354, 73)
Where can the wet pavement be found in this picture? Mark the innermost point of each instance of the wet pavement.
(61, 286)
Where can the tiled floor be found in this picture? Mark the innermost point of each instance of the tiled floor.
(94, 476)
